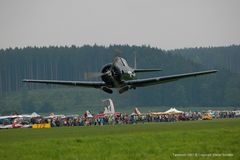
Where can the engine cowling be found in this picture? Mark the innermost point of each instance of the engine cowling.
(111, 74)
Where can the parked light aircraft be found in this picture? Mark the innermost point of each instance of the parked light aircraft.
(120, 75)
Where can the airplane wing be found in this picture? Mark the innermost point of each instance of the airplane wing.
(165, 79)
(89, 84)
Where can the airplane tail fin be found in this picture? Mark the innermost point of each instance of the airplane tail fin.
(146, 70)
(142, 70)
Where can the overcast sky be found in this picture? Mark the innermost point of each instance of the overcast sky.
(165, 24)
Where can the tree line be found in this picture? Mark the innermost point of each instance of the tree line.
(70, 63)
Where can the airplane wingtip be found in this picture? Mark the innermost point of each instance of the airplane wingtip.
(24, 80)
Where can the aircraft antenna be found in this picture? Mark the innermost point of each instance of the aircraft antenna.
(135, 60)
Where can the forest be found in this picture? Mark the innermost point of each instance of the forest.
(70, 63)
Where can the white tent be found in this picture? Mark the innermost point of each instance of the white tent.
(34, 114)
(173, 111)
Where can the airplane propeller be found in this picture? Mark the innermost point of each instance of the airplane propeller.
(92, 75)
(111, 70)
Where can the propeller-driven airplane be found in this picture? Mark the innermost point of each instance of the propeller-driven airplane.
(120, 75)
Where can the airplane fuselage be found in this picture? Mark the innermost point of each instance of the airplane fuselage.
(115, 74)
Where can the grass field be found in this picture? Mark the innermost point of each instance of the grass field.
(216, 139)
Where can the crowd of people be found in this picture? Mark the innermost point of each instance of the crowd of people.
(134, 118)
(225, 114)
(116, 118)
